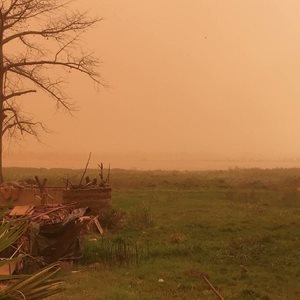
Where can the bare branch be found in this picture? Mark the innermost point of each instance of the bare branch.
(83, 65)
(47, 87)
(34, 8)
(16, 122)
(17, 94)
(11, 7)
(74, 23)
(31, 46)
(23, 126)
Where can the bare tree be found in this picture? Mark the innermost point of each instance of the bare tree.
(36, 38)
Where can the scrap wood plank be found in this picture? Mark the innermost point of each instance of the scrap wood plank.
(98, 225)
(22, 210)
(215, 291)
(205, 278)
(51, 211)
(8, 269)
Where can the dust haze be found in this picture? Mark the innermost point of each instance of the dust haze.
(191, 85)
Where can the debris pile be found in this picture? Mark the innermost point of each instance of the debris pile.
(56, 217)
(53, 233)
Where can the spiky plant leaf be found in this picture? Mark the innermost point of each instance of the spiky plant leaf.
(36, 286)
(30, 287)
(6, 261)
(10, 233)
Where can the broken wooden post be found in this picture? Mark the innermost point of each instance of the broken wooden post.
(86, 166)
(41, 187)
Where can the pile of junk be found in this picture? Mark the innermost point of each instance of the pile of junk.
(56, 218)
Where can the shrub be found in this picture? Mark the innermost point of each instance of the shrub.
(112, 218)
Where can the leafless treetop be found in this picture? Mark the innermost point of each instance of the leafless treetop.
(36, 38)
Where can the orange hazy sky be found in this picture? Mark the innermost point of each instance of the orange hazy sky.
(188, 80)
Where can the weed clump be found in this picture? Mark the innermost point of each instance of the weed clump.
(116, 251)
(140, 218)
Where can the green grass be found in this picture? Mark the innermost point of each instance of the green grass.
(241, 227)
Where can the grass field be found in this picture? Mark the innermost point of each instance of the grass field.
(241, 227)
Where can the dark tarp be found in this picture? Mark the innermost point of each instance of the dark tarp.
(58, 241)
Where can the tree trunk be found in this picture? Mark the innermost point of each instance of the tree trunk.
(1, 159)
(1, 97)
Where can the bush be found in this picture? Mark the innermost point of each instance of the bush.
(112, 218)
